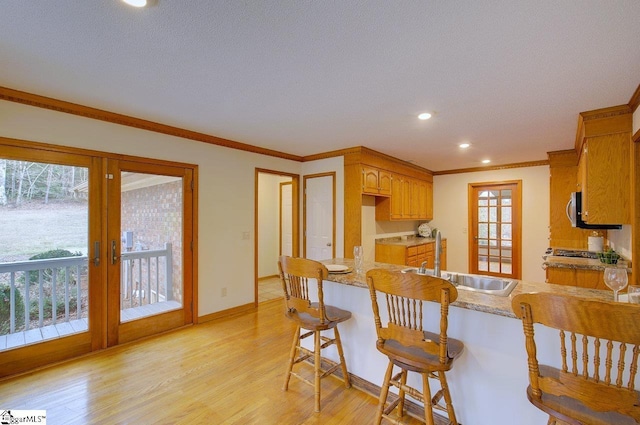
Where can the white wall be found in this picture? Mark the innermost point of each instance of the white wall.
(450, 215)
(226, 189)
(269, 223)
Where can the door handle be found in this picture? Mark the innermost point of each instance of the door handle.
(114, 256)
(328, 243)
(96, 253)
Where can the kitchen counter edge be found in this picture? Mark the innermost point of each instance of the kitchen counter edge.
(471, 300)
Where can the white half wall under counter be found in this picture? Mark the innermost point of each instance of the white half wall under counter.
(488, 382)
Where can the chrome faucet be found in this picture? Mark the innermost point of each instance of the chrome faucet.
(423, 268)
(436, 265)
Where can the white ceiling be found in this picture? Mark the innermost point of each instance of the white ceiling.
(311, 76)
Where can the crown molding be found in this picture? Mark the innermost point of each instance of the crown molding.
(493, 167)
(30, 99)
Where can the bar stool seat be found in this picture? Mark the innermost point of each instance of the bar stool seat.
(313, 316)
(408, 345)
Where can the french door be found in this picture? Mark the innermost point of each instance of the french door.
(496, 228)
(94, 252)
(49, 267)
(148, 247)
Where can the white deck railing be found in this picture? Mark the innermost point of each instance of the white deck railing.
(147, 277)
(59, 280)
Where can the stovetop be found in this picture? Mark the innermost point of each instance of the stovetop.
(576, 253)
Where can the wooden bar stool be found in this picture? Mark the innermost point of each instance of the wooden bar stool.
(315, 317)
(408, 345)
(597, 358)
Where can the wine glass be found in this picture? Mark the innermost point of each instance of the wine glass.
(616, 279)
(358, 257)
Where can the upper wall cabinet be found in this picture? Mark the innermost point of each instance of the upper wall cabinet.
(376, 181)
(362, 167)
(604, 169)
(411, 199)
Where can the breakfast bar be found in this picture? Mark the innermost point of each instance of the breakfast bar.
(488, 384)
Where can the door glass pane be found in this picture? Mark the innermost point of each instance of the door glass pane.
(151, 229)
(483, 214)
(43, 260)
(506, 214)
(506, 196)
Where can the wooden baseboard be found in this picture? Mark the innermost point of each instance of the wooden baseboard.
(273, 276)
(227, 313)
(413, 409)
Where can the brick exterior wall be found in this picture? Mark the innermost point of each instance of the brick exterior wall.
(154, 215)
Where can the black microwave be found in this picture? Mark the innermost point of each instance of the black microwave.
(574, 212)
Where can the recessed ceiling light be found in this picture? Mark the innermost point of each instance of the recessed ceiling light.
(424, 116)
(464, 145)
(136, 3)
(486, 161)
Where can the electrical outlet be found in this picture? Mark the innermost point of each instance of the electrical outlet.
(464, 230)
(223, 292)
(246, 236)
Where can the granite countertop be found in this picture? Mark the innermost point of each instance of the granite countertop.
(576, 263)
(471, 300)
(412, 240)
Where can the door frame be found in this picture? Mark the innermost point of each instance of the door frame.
(331, 174)
(295, 218)
(17, 360)
(516, 253)
(119, 332)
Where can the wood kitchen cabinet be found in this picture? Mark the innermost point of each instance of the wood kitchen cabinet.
(583, 278)
(376, 181)
(360, 167)
(413, 255)
(411, 199)
(604, 168)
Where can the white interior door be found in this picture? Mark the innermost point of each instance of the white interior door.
(320, 216)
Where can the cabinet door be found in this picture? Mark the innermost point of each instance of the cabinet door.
(369, 180)
(396, 197)
(384, 182)
(591, 279)
(421, 199)
(428, 201)
(430, 256)
(406, 197)
(414, 204)
(561, 276)
(412, 256)
(606, 192)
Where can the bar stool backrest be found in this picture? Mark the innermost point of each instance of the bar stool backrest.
(295, 275)
(598, 351)
(405, 294)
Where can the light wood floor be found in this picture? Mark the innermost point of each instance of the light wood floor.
(269, 288)
(228, 371)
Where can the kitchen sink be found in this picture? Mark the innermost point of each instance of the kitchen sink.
(416, 270)
(472, 282)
